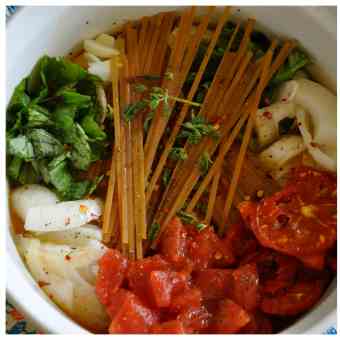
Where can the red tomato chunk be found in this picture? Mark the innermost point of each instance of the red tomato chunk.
(112, 269)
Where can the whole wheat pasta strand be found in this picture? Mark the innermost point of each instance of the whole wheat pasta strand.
(107, 220)
(212, 197)
(247, 135)
(174, 132)
(154, 39)
(120, 150)
(231, 71)
(138, 205)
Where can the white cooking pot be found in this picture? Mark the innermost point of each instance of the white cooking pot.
(35, 31)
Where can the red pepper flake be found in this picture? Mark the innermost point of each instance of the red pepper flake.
(267, 114)
(43, 284)
(83, 209)
(266, 101)
(67, 257)
(67, 221)
(284, 99)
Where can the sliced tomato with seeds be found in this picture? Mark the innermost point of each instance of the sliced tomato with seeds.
(295, 300)
(299, 220)
(276, 271)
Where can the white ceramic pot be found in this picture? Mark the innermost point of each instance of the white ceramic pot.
(35, 31)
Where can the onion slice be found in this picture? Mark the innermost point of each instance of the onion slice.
(63, 216)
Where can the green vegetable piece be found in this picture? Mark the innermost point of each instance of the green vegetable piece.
(64, 120)
(132, 109)
(204, 163)
(28, 175)
(37, 116)
(296, 60)
(70, 97)
(140, 88)
(77, 190)
(59, 174)
(14, 168)
(196, 129)
(186, 217)
(60, 72)
(21, 147)
(178, 154)
(19, 99)
(81, 152)
(36, 80)
(153, 231)
(45, 144)
(166, 176)
(92, 129)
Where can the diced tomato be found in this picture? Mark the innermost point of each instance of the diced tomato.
(169, 327)
(206, 250)
(300, 220)
(195, 319)
(258, 324)
(112, 270)
(174, 241)
(191, 297)
(138, 275)
(129, 315)
(245, 290)
(295, 300)
(214, 283)
(163, 284)
(229, 318)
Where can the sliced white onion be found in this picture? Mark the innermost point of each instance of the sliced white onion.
(29, 196)
(59, 289)
(324, 157)
(106, 40)
(102, 69)
(281, 151)
(317, 101)
(90, 58)
(63, 216)
(74, 237)
(99, 50)
(267, 121)
(60, 269)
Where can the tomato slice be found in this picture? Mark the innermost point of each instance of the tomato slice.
(299, 220)
(276, 271)
(295, 300)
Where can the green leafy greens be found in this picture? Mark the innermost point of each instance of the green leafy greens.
(54, 128)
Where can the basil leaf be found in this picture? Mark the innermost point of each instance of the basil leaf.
(92, 129)
(37, 116)
(21, 147)
(45, 144)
